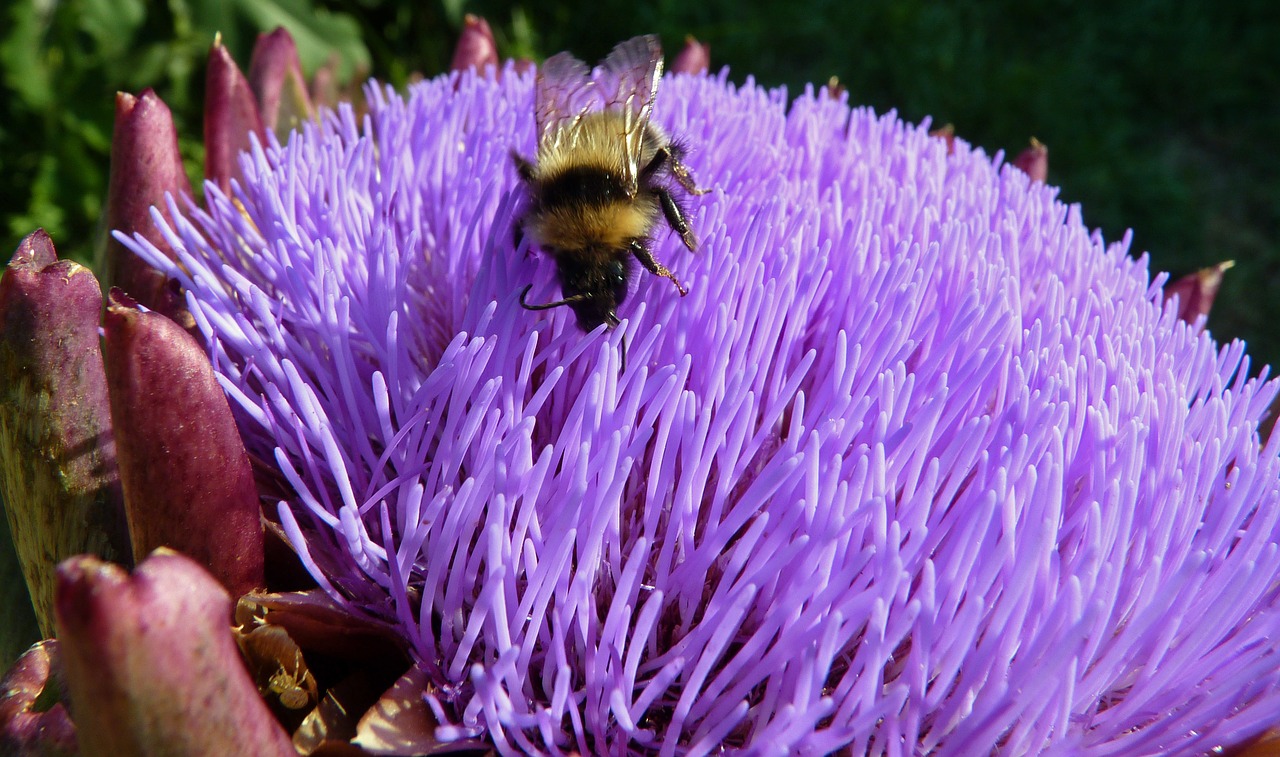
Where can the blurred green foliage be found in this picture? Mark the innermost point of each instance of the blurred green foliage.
(1160, 116)
(62, 63)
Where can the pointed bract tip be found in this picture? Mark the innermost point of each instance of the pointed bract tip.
(146, 165)
(275, 76)
(1034, 161)
(947, 133)
(35, 251)
(693, 58)
(118, 298)
(1196, 291)
(476, 46)
(834, 89)
(230, 116)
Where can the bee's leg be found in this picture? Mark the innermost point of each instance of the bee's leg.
(675, 216)
(652, 265)
(681, 172)
(673, 156)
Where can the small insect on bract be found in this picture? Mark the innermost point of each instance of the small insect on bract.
(603, 175)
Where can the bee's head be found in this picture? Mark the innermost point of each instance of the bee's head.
(602, 278)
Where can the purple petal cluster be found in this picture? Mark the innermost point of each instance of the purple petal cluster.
(919, 464)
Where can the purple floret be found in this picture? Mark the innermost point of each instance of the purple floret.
(920, 463)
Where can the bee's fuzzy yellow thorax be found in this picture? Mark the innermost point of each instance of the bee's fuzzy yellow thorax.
(598, 140)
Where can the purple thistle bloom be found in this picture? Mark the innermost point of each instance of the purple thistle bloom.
(919, 463)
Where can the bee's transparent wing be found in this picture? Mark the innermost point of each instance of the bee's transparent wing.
(628, 81)
(628, 77)
(564, 92)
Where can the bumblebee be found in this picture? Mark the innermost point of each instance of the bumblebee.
(603, 176)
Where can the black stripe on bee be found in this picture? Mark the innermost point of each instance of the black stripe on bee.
(582, 184)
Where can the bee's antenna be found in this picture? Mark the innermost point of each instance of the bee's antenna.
(547, 306)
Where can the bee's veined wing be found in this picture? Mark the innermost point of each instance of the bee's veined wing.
(628, 81)
(564, 92)
(625, 81)
(628, 78)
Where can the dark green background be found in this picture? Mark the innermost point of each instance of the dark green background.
(1160, 116)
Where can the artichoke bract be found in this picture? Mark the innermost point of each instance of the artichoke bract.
(151, 665)
(61, 486)
(187, 481)
(145, 166)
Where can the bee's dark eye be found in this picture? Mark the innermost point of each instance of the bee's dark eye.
(616, 277)
(616, 272)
